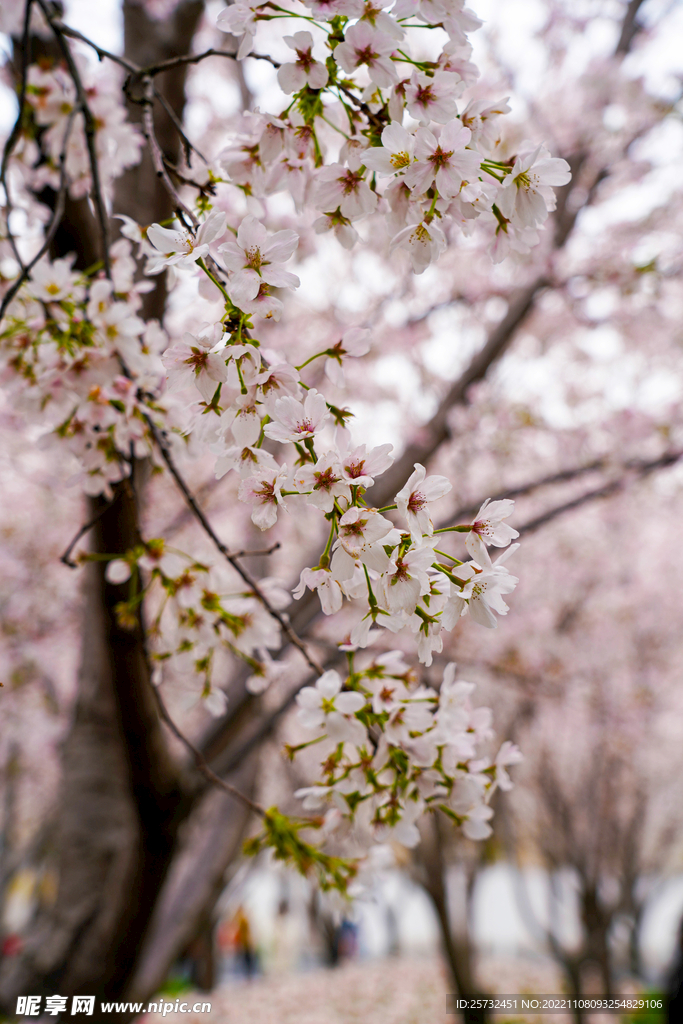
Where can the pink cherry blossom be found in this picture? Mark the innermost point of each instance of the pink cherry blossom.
(366, 46)
(297, 421)
(446, 162)
(253, 258)
(413, 500)
(305, 70)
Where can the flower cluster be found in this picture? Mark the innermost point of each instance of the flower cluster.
(76, 352)
(391, 749)
(393, 571)
(108, 385)
(439, 170)
(59, 121)
(197, 611)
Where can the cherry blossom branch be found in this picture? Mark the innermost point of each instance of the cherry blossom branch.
(251, 582)
(133, 71)
(56, 220)
(195, 58)
(200, 762)
(73, 33)
(16, 130)
(156, 152)
(152, 69)
(66, 556)
(90, 129)
(639, 468)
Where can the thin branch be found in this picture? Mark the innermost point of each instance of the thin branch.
(564, 475)
(66, 557)
(638, 469)
(16, 129)
(251, 582)
(156, 151)
(101, 53)
(57, 215)
(188, 147)
(90, 131)
(201, 764)
(363, 107)
(195, 58)
(246, 553)
(134, 71)
(629, 28)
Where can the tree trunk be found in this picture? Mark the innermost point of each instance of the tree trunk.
(121, 800)
(457, 950)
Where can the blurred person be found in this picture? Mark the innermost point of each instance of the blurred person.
(245, 950)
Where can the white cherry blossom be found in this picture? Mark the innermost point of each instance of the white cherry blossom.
(413, 500)
(432, 97)
(395, 154)
(253, 258)
(353, 343)
(297, 421)
(366, 46)
(359, 529)
(239, 19)
(329, 590)
(489, 528)
(192, 361)
(407, 578)
(527, 192)
(424, 242)
(445, 161)
(180, 247)
(317, 703)
(264, 490)
(360, 467)
(323, 480)
(340, 188)
(483, 592)
(305, 70)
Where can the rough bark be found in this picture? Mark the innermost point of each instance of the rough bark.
(457, 948)
(210, 841)
(121, 800)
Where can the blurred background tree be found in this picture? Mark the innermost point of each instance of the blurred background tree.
(554, 378)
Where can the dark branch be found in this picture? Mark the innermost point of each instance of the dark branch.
(250, 580)
(200, 762)
(66, 557)
(90, 130)
(16, 130)
(57, 215)
(629, 28)
(639, 470)
(437, 431)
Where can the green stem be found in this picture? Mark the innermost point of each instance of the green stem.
(324, 559)
(371, 597)
(311, 358)
(202, 264)
(444, 554)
